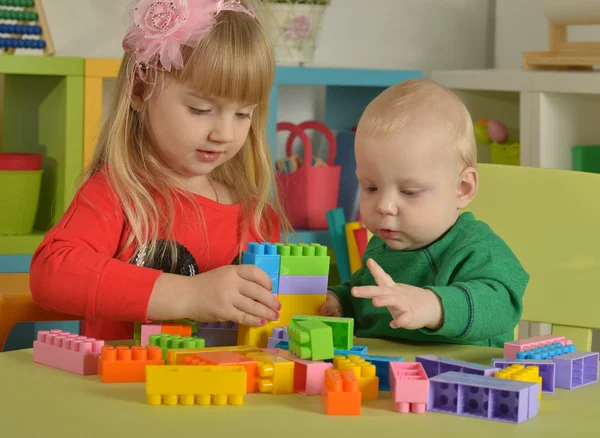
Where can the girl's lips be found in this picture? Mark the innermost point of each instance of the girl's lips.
(208, 156)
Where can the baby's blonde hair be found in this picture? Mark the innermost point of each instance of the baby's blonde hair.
(234, 60)
(402, 103)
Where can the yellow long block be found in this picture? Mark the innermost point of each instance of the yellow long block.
(257, 336)
(275, 373)
(292, 305)
(188, 385)
(364, 371)
(174, 356)
(353, 253)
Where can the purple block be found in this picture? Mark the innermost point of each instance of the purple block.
(435, 365)
(547, 370)
(485, 397)
(576, 369)
(303, 285)
(279, 334)
(218, 334)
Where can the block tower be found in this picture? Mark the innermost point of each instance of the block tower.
(300, 283)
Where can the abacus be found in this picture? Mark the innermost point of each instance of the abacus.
(24, 21)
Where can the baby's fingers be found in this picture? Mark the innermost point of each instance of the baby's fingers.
(366, 291)
(391, 301)
(400, 321)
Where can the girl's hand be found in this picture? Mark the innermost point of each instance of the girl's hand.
(332, 306)
(240, 293)
(411, 307)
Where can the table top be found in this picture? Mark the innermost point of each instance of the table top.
(41, 401)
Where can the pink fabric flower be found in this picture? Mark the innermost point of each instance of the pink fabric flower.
(300, 27)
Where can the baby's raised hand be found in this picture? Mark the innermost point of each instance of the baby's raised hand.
(411, 307)
(332, 306)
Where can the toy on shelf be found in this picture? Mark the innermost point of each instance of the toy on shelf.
(123, 364)
(189, 385)
(409, 386)
(483, 397)
(495, 133)
(562, 54)
(310, 191)
(341, 394)
(68, 352)
(23, 20)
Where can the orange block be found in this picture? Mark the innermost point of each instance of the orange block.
(176, 329)
(122, 364)
(341, 393)
(227, 358)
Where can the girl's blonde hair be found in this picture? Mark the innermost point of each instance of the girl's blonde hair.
(234, 60)
(401, 103)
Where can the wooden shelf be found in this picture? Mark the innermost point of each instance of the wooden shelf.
(41, 65)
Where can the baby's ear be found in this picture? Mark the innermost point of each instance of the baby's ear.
(467, 187)
(137, 94)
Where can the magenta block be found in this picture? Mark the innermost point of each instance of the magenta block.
(73, 353)
(147, 331)
(309, 375)
(303, 285)
(409, 387)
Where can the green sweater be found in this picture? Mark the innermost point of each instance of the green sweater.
(478, 278)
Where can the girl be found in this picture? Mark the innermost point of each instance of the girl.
(180, 181)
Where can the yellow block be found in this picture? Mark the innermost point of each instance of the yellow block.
(364, 372)
(188, 385)
(353, 253)
(520, 372)
(174, 356)
(256, 336)
(275, 373)
(14, 283)
(292, 305)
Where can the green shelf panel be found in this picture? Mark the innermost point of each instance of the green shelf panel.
(41, 65)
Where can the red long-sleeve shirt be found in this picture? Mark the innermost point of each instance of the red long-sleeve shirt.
(78, 270)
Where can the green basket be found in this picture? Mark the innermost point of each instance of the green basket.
(19, 196)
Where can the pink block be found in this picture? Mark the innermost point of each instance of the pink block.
(409, 386)
(512, 348)
(309, 375)
(74, 353)
(147, 331)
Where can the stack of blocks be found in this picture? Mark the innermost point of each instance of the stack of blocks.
(299, 274)
(157, 328)
(167, 342)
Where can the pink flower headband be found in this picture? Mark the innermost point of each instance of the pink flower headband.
(160, 28)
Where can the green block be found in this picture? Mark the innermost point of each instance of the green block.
(311, 340)
(171, 342)
(303, 259)
(342, 328)
(137, 331)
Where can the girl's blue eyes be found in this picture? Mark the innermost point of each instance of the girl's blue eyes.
(201, 112)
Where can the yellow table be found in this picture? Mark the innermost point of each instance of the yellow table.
(38, 401)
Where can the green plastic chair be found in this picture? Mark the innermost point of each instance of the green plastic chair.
(551, 220)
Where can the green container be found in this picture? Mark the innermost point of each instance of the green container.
(19, 197)
(586, 158)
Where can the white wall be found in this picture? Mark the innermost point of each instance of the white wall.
(521, 26)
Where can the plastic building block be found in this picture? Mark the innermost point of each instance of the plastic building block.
(484, 397)
(292, 305)
(382, 368)
(264, 255)
(409, 386)
(512, 348)
(148, 330)
(576, 369)
(546, 352)
(184, 330)
(257, 336)
(282, 345)
(217, 334)
(279, 334)
(531, 373)
(303, 259)
(547, 370)
(343, 329)
(175, 357)
(188, 385)
(311, 339)
(365, 372)
(227, 358)
(357, 350)
(171, 342)
(308, 374)
(68, 352)
(303, 284)
(341, 394)
(124, 364)
(435, 365)
(276, 374)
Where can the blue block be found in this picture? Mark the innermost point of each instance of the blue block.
(264, 255)
(382, 368)
(357, 350)
(546, 352)
(15, 264)
(283, 345)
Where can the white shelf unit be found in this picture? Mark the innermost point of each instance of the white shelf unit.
(549, 112)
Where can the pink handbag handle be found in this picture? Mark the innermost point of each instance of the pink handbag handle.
(296, 131)
(323, 129)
